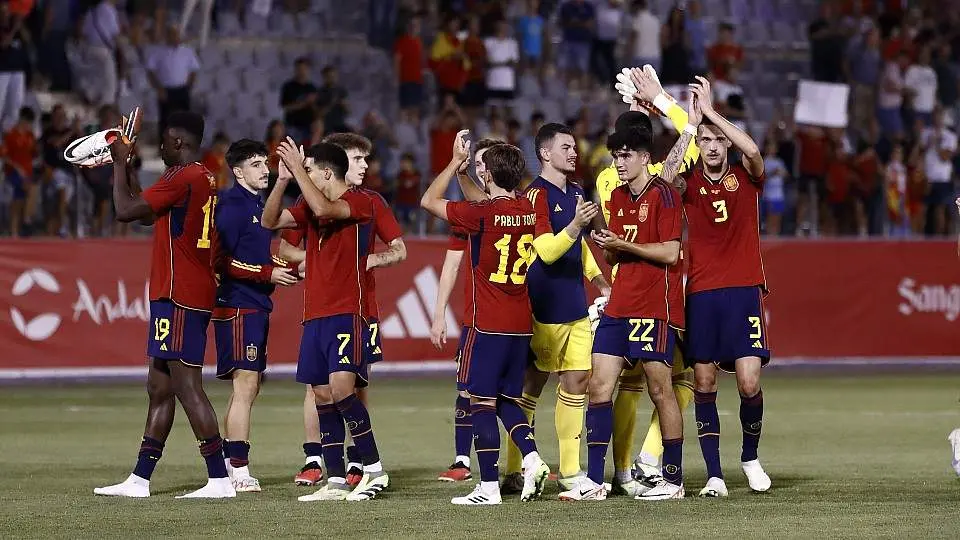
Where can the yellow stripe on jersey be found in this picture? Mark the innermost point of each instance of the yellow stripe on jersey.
(245, 266)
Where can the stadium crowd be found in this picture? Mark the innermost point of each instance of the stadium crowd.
(465, 64)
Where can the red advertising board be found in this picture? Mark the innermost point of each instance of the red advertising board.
(84, 303)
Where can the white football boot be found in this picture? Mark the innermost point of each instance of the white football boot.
(479, 497)
(133, 486)
(715, 487)
(756, 477)
(584, 490)
(216, 488)
(954, 439)
(662, 492)
(329, 492)
(535, 473)
(369, 487)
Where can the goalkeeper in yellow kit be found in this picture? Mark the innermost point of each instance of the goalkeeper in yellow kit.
(642, 89)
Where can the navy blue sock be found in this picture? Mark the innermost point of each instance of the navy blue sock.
(751, 420)
(357, 418)
(353, 454)
(486, 441)
(150, 452)
(212, 451)
(312, 449)
(708, 431)
(239, 452)
(599, 422)
(462, 426)
(673, 461)
(332, 434)
(226, 449)
(515, 423)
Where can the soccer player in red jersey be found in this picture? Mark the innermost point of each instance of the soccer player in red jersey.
(333, 353)
(725, 287)
(182, 296)
(643, 319)
(498, 318)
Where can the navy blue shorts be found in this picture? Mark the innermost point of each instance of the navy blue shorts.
(635, 339)
(726, 324)
(374, 342)
(330, 344)
(177, 333)
(492, 365)
(241, 342)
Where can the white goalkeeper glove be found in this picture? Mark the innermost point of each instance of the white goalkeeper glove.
(595, 311)
(625, 86)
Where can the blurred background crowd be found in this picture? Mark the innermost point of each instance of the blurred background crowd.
(408, 74)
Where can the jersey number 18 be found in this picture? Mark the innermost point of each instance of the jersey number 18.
(518, 275)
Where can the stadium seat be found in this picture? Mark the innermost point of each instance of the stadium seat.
(228, 25)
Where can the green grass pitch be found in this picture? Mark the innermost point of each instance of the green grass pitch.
(850, 456)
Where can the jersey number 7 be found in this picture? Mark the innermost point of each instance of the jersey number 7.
(518, 274)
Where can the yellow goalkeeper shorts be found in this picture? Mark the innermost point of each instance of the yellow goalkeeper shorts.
(562, 347)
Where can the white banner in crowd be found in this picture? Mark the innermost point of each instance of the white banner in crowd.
(822, 104)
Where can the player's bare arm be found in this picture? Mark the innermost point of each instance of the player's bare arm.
(396, 253)
(660, 252)
(128, 204)
(448, 278)
(322, 207)
(291, 253)
(432, 200)
(273, 216)
(671, 165)
(752, 157)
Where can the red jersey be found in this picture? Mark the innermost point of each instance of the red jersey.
(386, 228)
(184, 237)
(724, 229)
(336, 257)
(499, 248)
(644, 288)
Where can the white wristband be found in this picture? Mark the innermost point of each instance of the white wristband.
(691, 129)
(662, 103)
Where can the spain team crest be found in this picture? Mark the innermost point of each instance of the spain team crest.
(730, 183)
(251, 353)
(642, 213)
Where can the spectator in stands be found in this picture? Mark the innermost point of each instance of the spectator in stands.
(449, 121)
(20, 147)
(56, 22)
(298, 97)
(409, 68)
(276, 133)
(939, 147)
(215, 160)
(206, 10)
(503, 55)
(13, 66)
(863, 65)
(172, 69)
(101, 31)
(609, 22)
(332, 102)
(866, 187)
(920, 83)
(644, 36)
(827, 44)
(674, 56)
(895, 180)
(530, 29)
(475, 90)
(384, 142)
(948, 77)
(55, 138)
(725, 88)
(890, 96)
(318, 130)
(373, 178)
(448, 60)
(696, 37)
(725, 53)
(811, 184)
(100, 179)
(577, 20)
(774, 194)
(407, 197)
(528, 144)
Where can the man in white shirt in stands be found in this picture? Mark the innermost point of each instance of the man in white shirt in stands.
(172, 69)
(939, 148)
(920, 82)
(100, 30)
(502, 57)
(645, 36)
(890, 96)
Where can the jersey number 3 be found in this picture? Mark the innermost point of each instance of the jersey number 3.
(518, 275)
(208, 208)
(721, 208)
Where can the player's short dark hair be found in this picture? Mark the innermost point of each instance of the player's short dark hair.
(26, 113)
(632, 120)
(537, 116)
(327, 69)
(221, 137)
(505, 164)
(331, 156)
(485, 143)
(634, 139)
(547, 133)
(350, 141)
(243, 150)
(726, 26)
(302, 60)
(188, 122)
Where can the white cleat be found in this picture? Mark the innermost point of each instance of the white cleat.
(534, 478)
(479, 497)
(646, 473)
(570, 482)
(133, 486)
(369, 487)
(954, 439)
(329, 492)
(247, 484)
(216, 488)
(756, 477)
(715, 487)
(631, 488)
(664, 491)
(585, 490)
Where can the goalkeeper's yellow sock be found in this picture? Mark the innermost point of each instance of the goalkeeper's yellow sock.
(569, 423)
(625, 418)
(514, 460)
